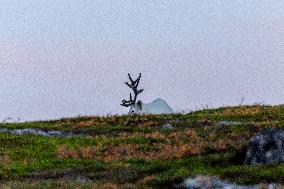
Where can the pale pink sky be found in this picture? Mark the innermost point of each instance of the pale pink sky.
(63, 59)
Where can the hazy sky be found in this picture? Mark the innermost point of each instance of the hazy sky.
(65, 58)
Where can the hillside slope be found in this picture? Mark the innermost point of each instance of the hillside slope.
(136, 152)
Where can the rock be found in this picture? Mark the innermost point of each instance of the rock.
(266, 147)
(82, 179)
(226, 123)
(35, 131)
(78, 178)
(167, 126)
(203, 182)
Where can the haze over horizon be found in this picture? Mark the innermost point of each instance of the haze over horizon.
(65, 58)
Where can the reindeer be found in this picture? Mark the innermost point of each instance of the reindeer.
(158, 106)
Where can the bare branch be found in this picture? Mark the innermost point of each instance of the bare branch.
(130, 78)
(133, 86)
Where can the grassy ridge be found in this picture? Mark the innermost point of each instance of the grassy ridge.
(133, 151)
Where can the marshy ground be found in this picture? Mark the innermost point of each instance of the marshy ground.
(135, 152)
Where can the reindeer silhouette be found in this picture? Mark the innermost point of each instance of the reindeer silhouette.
(158, 106)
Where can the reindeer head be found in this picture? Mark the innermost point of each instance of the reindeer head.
(135, 107)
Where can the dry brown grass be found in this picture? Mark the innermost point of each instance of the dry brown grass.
(123, 151)
(63, 152)
(84, 124)
(88, 121)
(235, 140)
(172, 145)
(149, 124)
(242, 111)
(162, 151)
(179, 135)
(220, 145)
(191, 133)
(87, 152)
(155, 135)
(177, 151)
(5, 159)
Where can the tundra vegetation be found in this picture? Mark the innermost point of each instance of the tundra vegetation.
(133, 151)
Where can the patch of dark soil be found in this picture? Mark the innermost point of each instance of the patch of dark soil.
(239, 157)
(120, 175)
(56, 174)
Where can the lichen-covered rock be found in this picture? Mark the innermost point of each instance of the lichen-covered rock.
(36, 131)
(203, 182)
(266, 147)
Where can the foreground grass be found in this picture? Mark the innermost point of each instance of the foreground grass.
(133, 151)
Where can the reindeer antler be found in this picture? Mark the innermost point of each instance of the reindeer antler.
(133, 86)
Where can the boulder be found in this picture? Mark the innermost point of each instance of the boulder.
(203, 182)
(167, 126)
(266, 147)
